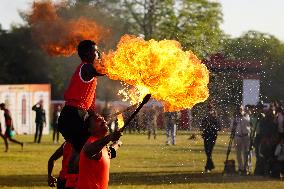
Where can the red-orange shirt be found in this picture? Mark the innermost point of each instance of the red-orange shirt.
(8, 119)
(67, 152)
(80, 93)
(71, 180)
(93, 174)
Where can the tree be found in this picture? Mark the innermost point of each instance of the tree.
(194, 23)
(22, 62)
(269, 52)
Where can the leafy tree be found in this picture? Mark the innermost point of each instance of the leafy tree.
(194, 23)
(22, 62)
(269, 52)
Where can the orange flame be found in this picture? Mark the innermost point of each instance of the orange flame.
(120, 121)
(59, 36)
(162, 68)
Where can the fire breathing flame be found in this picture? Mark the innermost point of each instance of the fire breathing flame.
(59, 36)
(161, 68)
(120, 121)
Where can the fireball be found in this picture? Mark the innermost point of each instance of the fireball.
(175, 77)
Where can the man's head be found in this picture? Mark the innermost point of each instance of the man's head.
(88, 51)
(96, 125)
(2, 106)
(260, 106)
(58, 107)
(40, 103)
(240, 110)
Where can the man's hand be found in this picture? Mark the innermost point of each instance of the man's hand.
(51, 181)
(99, 67)
(115, 145)
(115, 136)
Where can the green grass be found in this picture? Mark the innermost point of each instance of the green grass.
(141, 163)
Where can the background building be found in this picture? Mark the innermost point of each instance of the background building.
(19, 99)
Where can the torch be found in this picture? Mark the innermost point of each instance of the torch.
(113, 116)
(145, 100)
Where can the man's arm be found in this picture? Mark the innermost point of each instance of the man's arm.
(88, 72)
(93, 150)
(55, 156)
(34, 107)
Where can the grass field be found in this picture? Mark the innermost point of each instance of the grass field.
(141, 163)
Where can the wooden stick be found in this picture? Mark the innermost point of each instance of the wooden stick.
(145, 100)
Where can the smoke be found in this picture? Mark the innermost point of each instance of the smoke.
(58, 35)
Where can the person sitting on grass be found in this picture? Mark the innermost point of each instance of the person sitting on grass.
(9, 127)
(95, 156)
(64, 150)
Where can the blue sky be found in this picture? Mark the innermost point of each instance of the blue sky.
(239, 15)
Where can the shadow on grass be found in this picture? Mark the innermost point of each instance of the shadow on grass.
(157, 178)
(23, 180)
(138, 178)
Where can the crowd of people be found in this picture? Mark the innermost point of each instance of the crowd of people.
(86, 151)
(254, 129)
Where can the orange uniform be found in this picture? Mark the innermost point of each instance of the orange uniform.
(93, 174)
(71, 180)
(80, 93)
(79, 97)
(67, 151)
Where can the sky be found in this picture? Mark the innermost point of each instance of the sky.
(239, 15)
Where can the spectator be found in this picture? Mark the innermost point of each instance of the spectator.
(40, 120)
(151, 116)
(278, 165)
(280, 121)
(171, 126)
(106, 113)
(210, 127)
(268, 141)
(242, 140)
(56, 115)
(256, 119)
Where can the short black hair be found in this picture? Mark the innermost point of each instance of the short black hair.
(2, 105)
(89, 116)
(84, 48)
